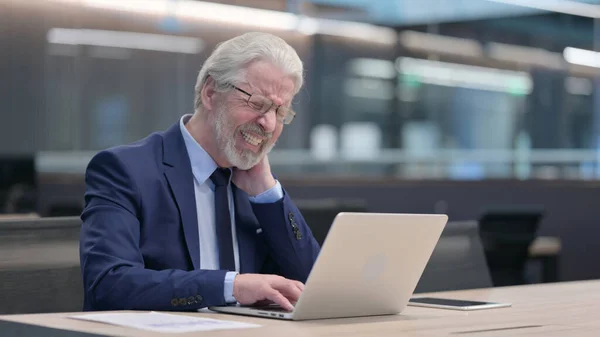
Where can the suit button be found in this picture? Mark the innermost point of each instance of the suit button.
(191, 300)
(174, 302)
(296, 231)
(291, 216)
(199, 298)
(182, 301)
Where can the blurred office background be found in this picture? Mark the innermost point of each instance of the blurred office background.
(486, 110)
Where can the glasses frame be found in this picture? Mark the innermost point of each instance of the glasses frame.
(291, 113)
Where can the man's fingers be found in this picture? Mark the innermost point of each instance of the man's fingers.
(288, 289)
(300, 285)
(278, 298)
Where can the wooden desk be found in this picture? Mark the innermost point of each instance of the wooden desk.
(558, 309)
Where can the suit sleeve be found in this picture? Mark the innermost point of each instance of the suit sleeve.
(293, 248)
(112, 264)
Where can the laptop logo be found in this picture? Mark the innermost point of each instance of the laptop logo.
(375, 267)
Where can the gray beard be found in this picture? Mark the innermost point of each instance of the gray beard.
(243, 159)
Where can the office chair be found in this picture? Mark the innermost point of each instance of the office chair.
(457, 262)
(18, 184)
(506, 234)
(319, 213)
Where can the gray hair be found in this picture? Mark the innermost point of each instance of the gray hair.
(227, 63)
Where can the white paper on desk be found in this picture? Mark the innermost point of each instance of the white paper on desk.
(155, 321)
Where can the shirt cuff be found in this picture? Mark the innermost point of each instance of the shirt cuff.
(273, 194)
(228, 288)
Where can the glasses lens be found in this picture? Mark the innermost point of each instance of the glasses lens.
(286, 115)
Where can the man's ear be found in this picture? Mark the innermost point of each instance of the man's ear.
(207, 94)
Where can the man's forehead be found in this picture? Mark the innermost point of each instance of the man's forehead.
(268, 80)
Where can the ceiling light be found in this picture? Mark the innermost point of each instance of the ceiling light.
(130, 40)
(583, 57)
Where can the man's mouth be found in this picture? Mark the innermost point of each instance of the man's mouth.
(250, 139)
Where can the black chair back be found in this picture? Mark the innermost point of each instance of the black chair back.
(457, 262)
(319, 213)
(506, 235)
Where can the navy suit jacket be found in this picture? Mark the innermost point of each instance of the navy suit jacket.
(139, 245)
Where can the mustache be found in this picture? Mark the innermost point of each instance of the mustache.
(257, 130)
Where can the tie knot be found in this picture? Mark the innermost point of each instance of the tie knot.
(221, 176)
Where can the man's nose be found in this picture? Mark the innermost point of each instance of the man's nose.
(268, 121)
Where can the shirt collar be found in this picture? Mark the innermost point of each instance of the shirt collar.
(202, 163)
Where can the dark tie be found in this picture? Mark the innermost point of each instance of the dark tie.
(222, 219)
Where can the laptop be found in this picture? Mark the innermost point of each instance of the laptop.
(369, 265)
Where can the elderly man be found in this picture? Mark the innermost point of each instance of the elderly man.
(193, 217)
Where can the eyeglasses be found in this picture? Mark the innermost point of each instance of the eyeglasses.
(263, 105)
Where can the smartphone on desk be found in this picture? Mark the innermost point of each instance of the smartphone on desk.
(446, 303)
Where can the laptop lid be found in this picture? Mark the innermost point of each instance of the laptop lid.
(369, 264)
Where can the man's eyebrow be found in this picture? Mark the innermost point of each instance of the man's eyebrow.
(257, 90)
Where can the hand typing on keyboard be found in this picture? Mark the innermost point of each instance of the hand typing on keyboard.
(251, 289)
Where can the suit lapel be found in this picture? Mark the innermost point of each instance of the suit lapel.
(178, 173)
